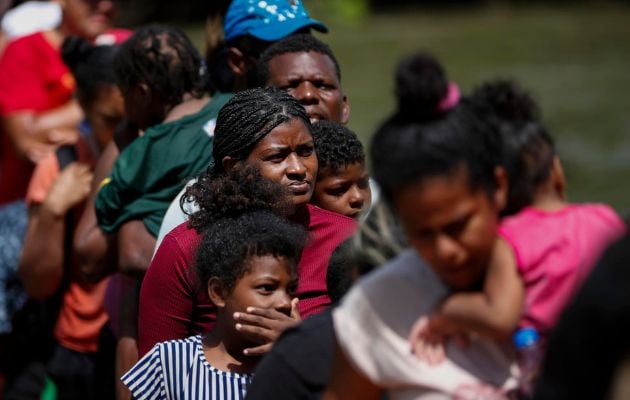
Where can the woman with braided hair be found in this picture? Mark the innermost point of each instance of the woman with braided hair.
(269, 129)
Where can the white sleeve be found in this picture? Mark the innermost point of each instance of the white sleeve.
(145, 379)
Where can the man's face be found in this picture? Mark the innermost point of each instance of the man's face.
(311, 78)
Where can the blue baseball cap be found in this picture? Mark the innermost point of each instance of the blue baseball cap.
(268, 20)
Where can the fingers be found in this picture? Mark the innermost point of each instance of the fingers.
(71, 186)
(258, 351)
(295, 313)
(418, 328)
(262, 325)
(426, 345)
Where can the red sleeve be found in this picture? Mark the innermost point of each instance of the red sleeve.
(166, 296)
(21, 83)
(33, 76)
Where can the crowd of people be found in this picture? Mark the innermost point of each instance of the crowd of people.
(179, 226)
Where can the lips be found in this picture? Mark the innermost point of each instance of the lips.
(314, 115)
(299, 187)
(354, 215)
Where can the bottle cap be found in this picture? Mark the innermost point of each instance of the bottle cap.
(525, 337)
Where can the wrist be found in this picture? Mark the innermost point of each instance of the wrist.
(54, 209)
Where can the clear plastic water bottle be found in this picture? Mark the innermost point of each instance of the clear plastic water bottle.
(527, 342)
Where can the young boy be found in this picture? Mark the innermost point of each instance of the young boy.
(342, 181)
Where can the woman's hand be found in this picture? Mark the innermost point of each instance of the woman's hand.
(264, 326)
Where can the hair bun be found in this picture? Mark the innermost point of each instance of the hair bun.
(421, 84)
(74, 50)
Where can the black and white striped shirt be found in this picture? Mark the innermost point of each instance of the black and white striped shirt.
(178, 370)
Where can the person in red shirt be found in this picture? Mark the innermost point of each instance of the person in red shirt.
(270, 129)
(37, 110)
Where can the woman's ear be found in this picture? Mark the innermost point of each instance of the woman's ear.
(217, 292)
(502, 187)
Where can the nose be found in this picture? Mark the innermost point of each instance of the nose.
(295, 167)
(104, 6)
(447, 250)
(357, 198)
(283, 303)
(305, 93)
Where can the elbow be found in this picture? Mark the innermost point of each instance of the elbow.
(132, 261)
(39, 287)
(502, 329)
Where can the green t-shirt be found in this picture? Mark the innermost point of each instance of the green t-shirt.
(150, 172)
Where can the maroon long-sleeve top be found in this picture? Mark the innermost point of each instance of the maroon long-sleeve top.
(174, 305)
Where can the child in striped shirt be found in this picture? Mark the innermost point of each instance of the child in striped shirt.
(248, 263)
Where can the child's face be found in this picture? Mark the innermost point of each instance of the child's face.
(311, 78)
(269, 283)
(451, 226)
(346, 191)
(105, 113)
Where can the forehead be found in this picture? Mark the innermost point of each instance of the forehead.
(438, 200)
(290, 134)
(302, 63)
(268, 265)
(352, 171)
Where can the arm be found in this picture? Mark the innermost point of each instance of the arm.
(33, 135)
(135, 248)
(166, 297)
(347, 383)
(96, 250)
(41, 265)
(496, 311)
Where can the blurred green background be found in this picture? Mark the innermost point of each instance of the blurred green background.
(573, 56)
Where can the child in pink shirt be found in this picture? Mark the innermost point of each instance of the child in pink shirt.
(546, 246)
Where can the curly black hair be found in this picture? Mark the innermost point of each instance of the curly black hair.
(299, 43)
(229, 243)
(248, 117)
(163, 58)
(91, 65)
(229, 195)
(337, 146)
(528, 149)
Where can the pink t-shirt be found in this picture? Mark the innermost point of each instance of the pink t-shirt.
(555, 252)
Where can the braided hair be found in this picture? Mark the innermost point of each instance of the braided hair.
(163, 58)
(250, 116)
